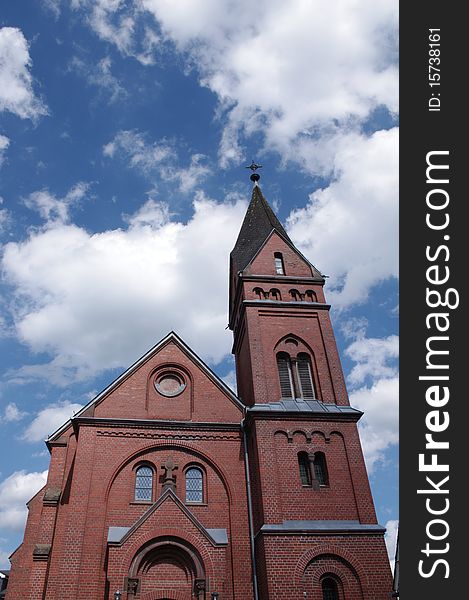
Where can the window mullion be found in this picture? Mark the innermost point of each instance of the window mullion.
(296, 381)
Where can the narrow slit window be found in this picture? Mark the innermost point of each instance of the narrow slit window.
(305, 469)
(285, 375)
(279, 267)
(320, 469)
(144, 484)
(194, 485)
(305, 377)
(329, 589)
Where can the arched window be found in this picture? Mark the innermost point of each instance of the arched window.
(320, 469)
(295, 294)
(194, 485)
(144, 484)
(330, 590)
(285, 375)
(259, 292)
(279, 267)
(305, 469)
(305, 378)
(311, 296)
(275, 294)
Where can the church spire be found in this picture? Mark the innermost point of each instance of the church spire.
(258, 223)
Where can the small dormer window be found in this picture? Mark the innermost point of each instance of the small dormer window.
(279, 268)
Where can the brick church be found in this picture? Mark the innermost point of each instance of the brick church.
(169, 486)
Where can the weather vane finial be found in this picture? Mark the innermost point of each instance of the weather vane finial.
(254, 176)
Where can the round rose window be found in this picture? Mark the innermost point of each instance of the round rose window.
(169, 384)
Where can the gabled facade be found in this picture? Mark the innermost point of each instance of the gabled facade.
(169, 486)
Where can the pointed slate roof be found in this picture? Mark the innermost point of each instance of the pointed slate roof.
(258, 223)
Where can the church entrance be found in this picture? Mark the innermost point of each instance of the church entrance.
(168, 569)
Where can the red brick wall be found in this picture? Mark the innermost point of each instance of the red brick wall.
(276, 480)
(101, 495)
(136, 397)
(263, 263)
(261, 327)
(360, 563)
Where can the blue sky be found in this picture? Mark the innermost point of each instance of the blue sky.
(125, 128)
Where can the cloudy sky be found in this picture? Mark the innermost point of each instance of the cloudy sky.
(125, 127)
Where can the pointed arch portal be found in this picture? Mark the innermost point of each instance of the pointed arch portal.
(168, 569)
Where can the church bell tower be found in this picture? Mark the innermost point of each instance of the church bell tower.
(314, 524)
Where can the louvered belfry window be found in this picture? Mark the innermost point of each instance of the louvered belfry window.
(144, 484)
(194, 485)
(305, 377)
(329, 589)
(285, 375)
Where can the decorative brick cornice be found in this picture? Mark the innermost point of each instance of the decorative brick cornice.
(169, 436)
(311, 306)
(144, 425)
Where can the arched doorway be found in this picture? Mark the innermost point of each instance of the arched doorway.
(168, 569)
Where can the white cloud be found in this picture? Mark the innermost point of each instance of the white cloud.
(230, 380)
(291, 70)
(376, 370)
(191, 176)
(54, 209)
(390, 537)
(98, 301)
(49, 419)
(153, 214)
(16, 82)
(354, 327)
(357, 217)
(143, 156)
(5, 216)
(4, 143)
(15, 491)
(288, 70)
(12, 413)
(372, 356)
(379, 427)
(116, 22)
(4, 562)
(156, 160)
(100, 75)
(53, 7)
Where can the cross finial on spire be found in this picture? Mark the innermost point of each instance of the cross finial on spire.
(254, 176)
